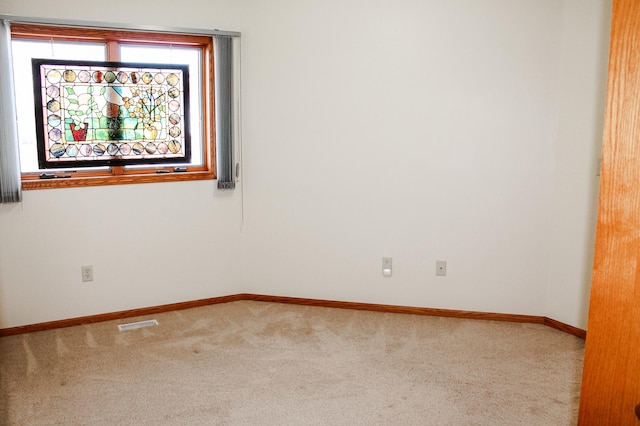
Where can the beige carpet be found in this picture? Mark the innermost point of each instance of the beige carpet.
(255, 363)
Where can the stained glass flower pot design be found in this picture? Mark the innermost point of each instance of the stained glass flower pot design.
(79, 133)
(111, 113)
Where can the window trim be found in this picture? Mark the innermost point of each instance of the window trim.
(113, 37)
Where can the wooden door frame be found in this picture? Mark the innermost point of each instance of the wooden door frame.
(610, 383)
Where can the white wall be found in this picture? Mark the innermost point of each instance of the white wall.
(417, 130)
(421, 130)
(150, 244)
(586, 26)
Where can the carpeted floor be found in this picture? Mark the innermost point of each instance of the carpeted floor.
(256, 363)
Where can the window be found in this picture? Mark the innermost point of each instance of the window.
(124, 147)
(110, 113)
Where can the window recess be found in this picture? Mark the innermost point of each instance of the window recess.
(114, 104)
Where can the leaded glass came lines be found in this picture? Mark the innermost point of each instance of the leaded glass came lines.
(106, 113)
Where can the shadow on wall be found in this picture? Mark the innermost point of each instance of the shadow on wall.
(598, 129)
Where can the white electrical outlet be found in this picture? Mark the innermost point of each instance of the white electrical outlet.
(387, 266)
(87, 273)
(441, 268)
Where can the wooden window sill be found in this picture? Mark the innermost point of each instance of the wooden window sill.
(32, 182)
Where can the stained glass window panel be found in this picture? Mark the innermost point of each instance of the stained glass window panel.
(111, 113)
(176, 55)
(23, 52)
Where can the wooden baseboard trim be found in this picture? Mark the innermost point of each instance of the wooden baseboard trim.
(487, 316)
(569, 329)
(117, 315)
(398, 309)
